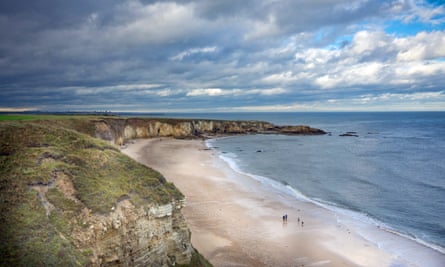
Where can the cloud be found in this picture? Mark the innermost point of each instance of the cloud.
(380, 102)
(192, 51)
(362, 74)
(120, 88)
(188, 54)
(374, 58)
(261, 29)
(279, 78)
(235, 92)
(388, 97)
(155, 23)
(422, 46)
(425, 12)
(211, 92)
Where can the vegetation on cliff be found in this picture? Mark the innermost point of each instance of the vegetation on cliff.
(38, 214)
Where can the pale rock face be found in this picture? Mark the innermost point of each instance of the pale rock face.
(130, 132)
(130, 236)
(118, 131)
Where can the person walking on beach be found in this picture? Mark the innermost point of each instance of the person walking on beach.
(302, 224)
(284, 218)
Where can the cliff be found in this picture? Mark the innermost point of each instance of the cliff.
(67, 199)
(119, 130)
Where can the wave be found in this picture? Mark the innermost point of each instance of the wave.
(362, 217)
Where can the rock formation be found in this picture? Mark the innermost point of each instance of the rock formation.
(152, 235)
(119, 130)
(351, 134)
(67, 199)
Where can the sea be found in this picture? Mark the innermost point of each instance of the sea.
(390, 172)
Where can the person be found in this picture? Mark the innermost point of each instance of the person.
(302, 223)
(285, 216)
(298, 219)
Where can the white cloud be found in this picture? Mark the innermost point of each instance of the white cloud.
(421, 46)
(268, 92)
(359, 74)
(209, 92)
(419, 101)
(235, 92)
(189, 52)
(372, 58)
(317, 55)
(166, 92)
(277, 108)
(284, 77)
(416, 70)
(425, 13)
(368, 41)
(401, 98)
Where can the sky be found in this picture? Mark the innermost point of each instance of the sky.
(222, 56)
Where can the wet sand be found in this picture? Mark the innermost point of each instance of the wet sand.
(237, 221)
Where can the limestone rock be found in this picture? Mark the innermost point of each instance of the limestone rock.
(118, 131)
(130, 236)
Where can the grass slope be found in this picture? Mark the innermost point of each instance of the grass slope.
(36, 153)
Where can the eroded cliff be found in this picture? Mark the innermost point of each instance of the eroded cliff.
(119, 130)
(67, 199)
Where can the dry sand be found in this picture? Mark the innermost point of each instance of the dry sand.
(237, 221)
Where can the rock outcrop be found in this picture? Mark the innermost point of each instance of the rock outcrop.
(152, 235)
(67, 199)
(351, 134)
(119, 130)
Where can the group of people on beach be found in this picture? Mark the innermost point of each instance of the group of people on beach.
(285, 218)
(298, 220)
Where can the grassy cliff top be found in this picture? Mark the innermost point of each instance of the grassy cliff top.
(35, 153)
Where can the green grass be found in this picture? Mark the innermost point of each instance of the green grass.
(35, 153)
(29, 117)
(11, 117)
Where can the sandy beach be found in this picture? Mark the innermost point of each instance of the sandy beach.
(237, 221)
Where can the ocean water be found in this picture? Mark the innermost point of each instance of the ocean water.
(393, 173)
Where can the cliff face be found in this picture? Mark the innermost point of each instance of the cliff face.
(154, 235)
(120, 130)
(67, 199)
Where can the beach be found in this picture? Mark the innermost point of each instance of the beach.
(237, 221)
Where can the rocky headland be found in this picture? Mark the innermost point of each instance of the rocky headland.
(119, 131)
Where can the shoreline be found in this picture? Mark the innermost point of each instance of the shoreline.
(359, 216)
(235, 220)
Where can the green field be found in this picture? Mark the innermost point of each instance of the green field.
(30, 117)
